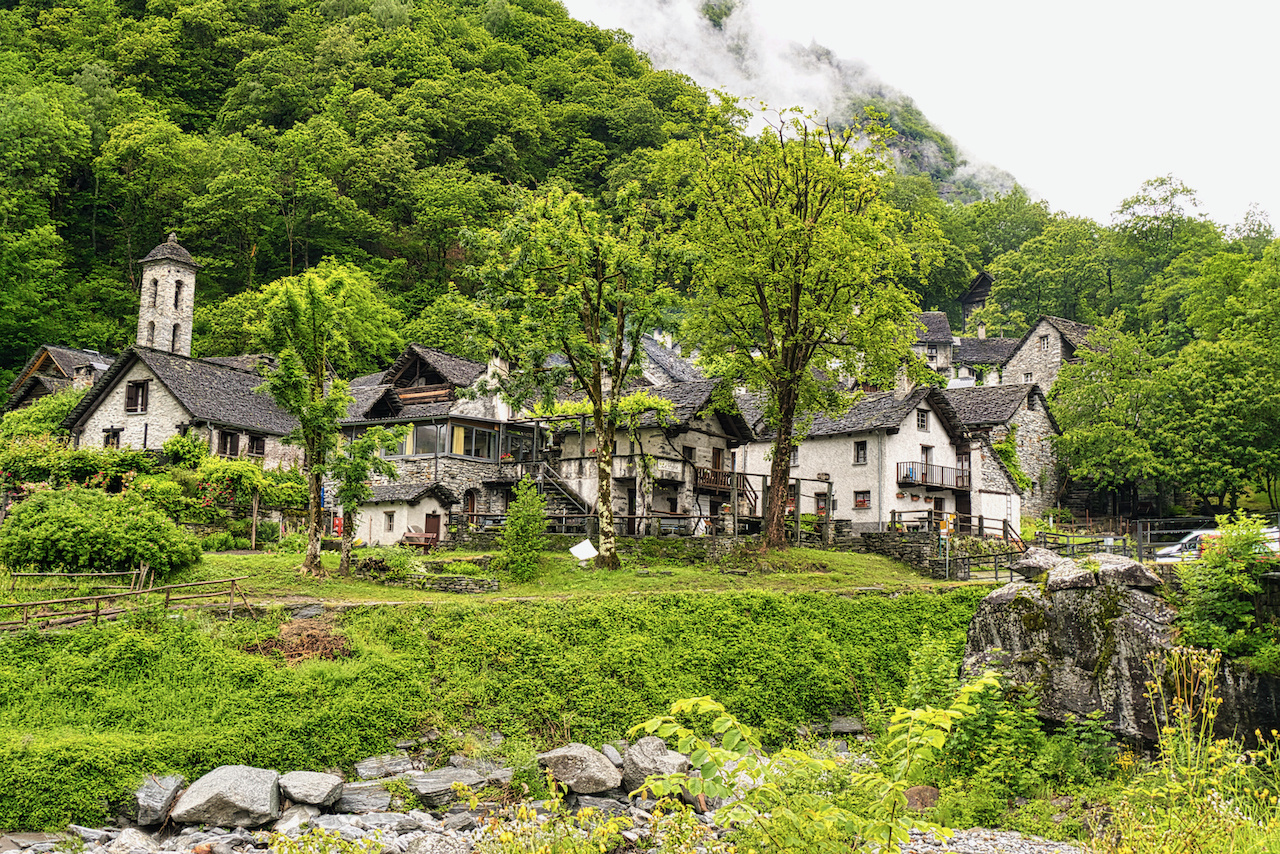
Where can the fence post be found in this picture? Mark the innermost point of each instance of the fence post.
(796, 514)
(1138, 540)
(982, 531)
(829, 535)
(733, 496)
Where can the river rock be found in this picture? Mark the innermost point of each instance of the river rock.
(366, 796)
(436, 788)
(389, 765)
(650, 756)
(233, 795)
(921, 798)
(311, 787)
(583, 769)
(439, 843)
(611, 753)
(155, 796)
(131, 840)
(295, 818)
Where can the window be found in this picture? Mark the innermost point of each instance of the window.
(859, 453)
(257, 446)
(689, 453)
(429, 439)
(135, 396)
(926, 454)
(922, 419)
(962, 461)
(177, 294)
(517, 447)
(1044, 343)
(111, 437)
(939, 504)
(820, 504)
(173, 342)
(155, 291)
(1026, 378)
(931, 352)
(151, 334)
(861, 500)
(228, 444)
(389, 516)
(478, 442)
(795, 455)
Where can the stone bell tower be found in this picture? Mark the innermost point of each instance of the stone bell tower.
(168, 298)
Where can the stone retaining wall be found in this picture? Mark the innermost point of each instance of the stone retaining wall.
(914, 548)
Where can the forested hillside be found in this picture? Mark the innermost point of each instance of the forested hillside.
(272, 134)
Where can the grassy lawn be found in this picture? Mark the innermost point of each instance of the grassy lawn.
(276, 576)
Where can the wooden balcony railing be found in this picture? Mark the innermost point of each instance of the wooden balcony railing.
(927, 474)
(720, 480)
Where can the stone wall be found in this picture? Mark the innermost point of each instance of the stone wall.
(1040, 359)
(914, 548)
(1034, 442)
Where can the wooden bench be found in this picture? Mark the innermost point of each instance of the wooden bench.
(424, 541)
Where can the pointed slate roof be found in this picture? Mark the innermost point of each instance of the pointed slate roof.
(64, 360)
(455, 369)
(878, 410)
(1074, 332)
(691, 400)
(985, 351)
(170, 251)
(937, 327)
(989, 405)
(675, 367)
(211, 392)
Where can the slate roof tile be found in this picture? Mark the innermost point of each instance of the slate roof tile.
(937, 327)
(985, 351)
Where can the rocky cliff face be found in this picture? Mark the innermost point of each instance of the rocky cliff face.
(1082, 634)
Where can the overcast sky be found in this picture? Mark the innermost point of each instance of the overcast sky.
(1081, 101)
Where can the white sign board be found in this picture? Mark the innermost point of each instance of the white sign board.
(584, 550)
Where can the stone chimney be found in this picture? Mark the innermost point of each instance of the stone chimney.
(982, 331)
(83, 376)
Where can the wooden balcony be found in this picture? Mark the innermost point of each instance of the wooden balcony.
(932, 477)
(715, 480)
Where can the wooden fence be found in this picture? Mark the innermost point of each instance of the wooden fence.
(83, 610)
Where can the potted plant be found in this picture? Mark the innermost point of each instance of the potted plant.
(902, 495)
(915, 497)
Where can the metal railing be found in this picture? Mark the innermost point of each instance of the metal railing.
(928, 474)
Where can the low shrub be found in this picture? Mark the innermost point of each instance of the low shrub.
(295, 543)
(241, 543)
(86, 530)
(219, 541)
(524, 536)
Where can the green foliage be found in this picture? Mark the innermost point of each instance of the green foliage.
(317, 840)
(352, 465)
(220, 541)
(38, 459)
(1007, 450)
(185, 451)
(1219, 590)
(86, 530)
(84, 714)
(734, 768)
(42, 418)
(786, 298)
(401, 560)
(1202, 794)
(524, 536)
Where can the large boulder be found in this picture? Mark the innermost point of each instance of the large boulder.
(650, 756)
(133, 841)
(155, 796)
(311, 787)
(1035, 561)
(583, 769)
(231, 796)
(1084, 646)
(388, 765)
(369, 796)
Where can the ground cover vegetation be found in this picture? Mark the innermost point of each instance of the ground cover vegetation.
(84, 712)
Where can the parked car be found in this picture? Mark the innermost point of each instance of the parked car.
(1192, 546)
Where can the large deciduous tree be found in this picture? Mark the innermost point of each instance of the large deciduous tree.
(328, 319)
(570, 290)
(351, 466)
(797, 288)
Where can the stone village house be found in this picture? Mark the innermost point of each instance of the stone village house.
(904, 451)
(53, 368)
(155, 390)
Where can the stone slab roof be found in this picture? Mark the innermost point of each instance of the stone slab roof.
(691, 399)
(988, 404)
(1074, 332)
(985, 351)
(877, 410)
(170, 251)
(455, 369)
(211, 392)
(413, 493)
(676, 368)
(64, 360)
(937, 327)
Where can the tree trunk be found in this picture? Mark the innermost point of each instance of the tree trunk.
(608, 557)
(311, 563)
(775, 530)
(348, 541)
